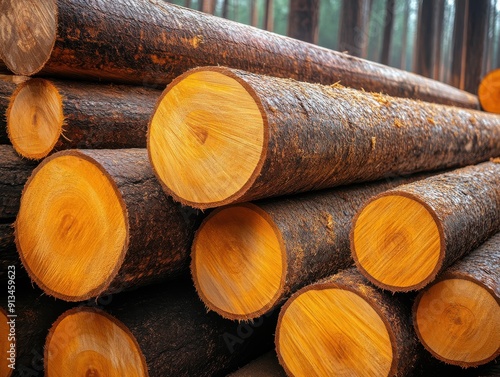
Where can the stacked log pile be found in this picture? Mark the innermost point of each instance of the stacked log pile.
(140, 114)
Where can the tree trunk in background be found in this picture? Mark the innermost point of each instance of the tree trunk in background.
(354, 27)
(225, 8)
(459, 50)
(269, 16)
(389, 21)
(254, 13)
(303, 20)
(404, 35)
(425, 35)
(207, 6)
(437, 42)
(476, 43)
(187, 3)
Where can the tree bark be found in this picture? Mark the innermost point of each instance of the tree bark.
(393, 311)
(175, 334)
(404, 36)
(330, 136)
(354, 27)
(461, 306)
(265, 366)
(156, 49)
(254, 13)
(388, 24)
(269, 15)
(303, 20)
(158, 235)
(437, 38)
(8, 254)
(92, 116)
(425, 35)
(14, 172)
(6, 90)
(465, 207)
(208, 6)
(459, 47)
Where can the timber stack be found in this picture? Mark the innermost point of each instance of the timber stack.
(343, 212)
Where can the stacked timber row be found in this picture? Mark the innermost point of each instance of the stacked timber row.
(220, 136)
(75, 38)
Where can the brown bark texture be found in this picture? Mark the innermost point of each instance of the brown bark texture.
(160, 231)
(394, 310)
(8, 253)
(465, 203)
(14, 172)
(150, 42)
(322, 137)
(265, 366)
(6, 90)
(179, 338)
(303, 20)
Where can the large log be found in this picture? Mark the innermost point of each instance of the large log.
(220, 136)
(46, 116)
(457, 318)
(403, 238)
(248, 258)
(93, 222)
(344, 326)
(150, 42)
(489, 92)
(164, 331)
(14, 172)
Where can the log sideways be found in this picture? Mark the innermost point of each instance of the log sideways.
(163, 332)
(489, 92)
(150, 42)
(246, 259)
(457, 318)
(14, 172)
(403, 238)
(52, 115)
(342, 325)
(93, 222)
(220, 135)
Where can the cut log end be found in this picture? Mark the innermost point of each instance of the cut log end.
(397, 243)
(489, 92)
(458, 321)
(72, 229)
(28, 34)
(35, 118)
(333, 331)
(5, 345)
(86, 342)
(207, 138)
(239, 262)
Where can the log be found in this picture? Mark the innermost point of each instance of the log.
(457, 318)
(46, 116)
(165, 330)
(220, 136)
(14, 172)
(247, 259)
(75, 38)
(6, 90)
(8, 253)
(265, 366)
(344, 326)
(489, 92)
(403, 238)
(94, 222)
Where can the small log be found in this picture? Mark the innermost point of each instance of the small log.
(152, 42)
(489, 92)
(45, 116)
(14, 172)
(164, 331)
(220, 136)
(246, 259)
(403, 238)
(342, 325)
(265, 366)
(93, 222)
(457, 318)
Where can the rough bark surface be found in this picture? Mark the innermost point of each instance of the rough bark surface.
(14, 172)
(331, 136)
(465, 204)
(6, 90)
(179, 338)
(8, 252)
(150, 42)
(303, 20)
(395, 311)
(265, 366)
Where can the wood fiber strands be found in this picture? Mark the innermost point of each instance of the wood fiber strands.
(489, 92)
(248, 258)
(163, 332)
(150, 42)
(457, 318)
(220, 136)
(96, 221)
(344, 326)
(14, 172)
(402, 239)
(45, 116)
